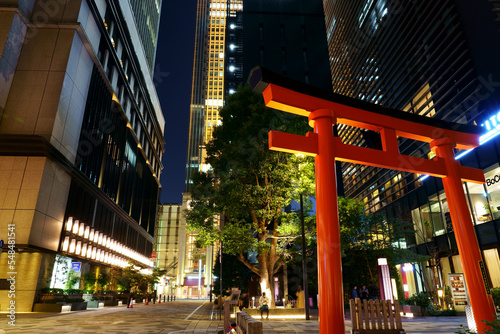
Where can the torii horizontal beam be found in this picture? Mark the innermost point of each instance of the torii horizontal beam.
(308, 145)
(298, 98)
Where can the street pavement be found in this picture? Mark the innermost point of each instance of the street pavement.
(179, 317)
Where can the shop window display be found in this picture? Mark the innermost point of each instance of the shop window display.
(445, 269)
(436, 216)
(492, 186)
(493, 264)
(421, 224)
(479, 202)
(457, 264)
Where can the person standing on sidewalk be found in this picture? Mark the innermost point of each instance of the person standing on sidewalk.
(301, 302)
(364, 293)
(354, 293)
(264, 305)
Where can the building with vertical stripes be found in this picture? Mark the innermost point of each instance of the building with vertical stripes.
(433, 59)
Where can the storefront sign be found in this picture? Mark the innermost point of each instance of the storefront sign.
(485, 278)
(458, 289)
(492, 125)
(493, 180)
(75, 266)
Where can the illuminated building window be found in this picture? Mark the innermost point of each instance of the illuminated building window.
(422, 103)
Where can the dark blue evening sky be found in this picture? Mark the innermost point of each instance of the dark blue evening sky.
(173, 73)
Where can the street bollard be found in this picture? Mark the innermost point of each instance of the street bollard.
(159, 300)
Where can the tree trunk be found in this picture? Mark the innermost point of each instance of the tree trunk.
(266, 285)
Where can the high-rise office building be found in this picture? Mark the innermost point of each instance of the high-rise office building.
(232, 37)
(81, 139)
(431, 59)
(207, 92)
(287, 37)
(207, 97)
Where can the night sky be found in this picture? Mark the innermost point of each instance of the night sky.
(173, 73)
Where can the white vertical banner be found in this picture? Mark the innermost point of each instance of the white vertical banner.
(385, 280)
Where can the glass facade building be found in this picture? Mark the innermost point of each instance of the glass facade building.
(207, 97)
(147, 20)
(431, 59)
(81, 139)
(207, 92)
(232, 37)
(169, 238)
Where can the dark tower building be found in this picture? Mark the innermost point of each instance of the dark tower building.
(287, 37)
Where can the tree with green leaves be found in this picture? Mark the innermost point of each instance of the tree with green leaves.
(234, 274)
(249, 186)
(155, 278)
(366, 237)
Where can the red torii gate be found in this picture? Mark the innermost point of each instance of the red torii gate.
(324, 109)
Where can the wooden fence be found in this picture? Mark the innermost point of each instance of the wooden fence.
(375, 316)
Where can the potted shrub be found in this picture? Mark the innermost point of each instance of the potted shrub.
(93, 303)
(418, 304)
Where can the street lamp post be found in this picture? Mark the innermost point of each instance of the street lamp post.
(220, 280)
(199, 278)
(441, 299)
(304, 267)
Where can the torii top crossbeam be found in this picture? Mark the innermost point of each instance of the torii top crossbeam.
(324, 109)
(294, 97)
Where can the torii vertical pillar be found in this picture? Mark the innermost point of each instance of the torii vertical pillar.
(331, 303)
(468, 247)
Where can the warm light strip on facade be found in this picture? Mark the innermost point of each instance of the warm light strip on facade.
(72, 246)
(65, 246)
(76, 225)
(78, 248)
(89, 251)
(69, 224)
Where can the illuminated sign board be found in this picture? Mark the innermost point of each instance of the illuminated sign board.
(75, 266)
(492, 126)
(458, 289)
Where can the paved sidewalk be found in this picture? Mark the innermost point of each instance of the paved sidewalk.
(430, 325)
(184, 317)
